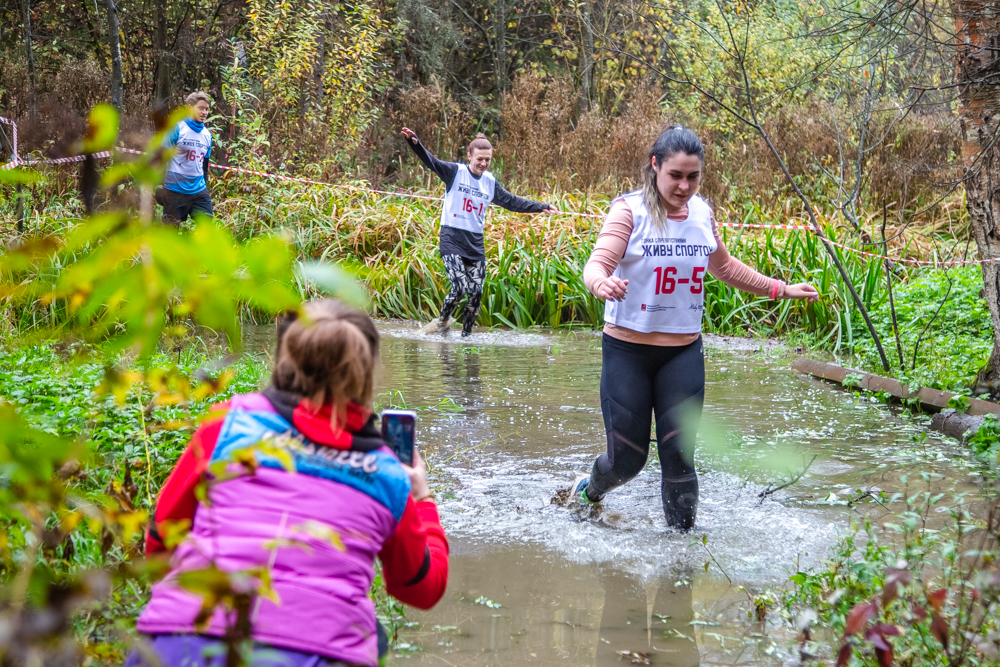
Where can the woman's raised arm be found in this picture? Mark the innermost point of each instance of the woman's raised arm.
(446, 171)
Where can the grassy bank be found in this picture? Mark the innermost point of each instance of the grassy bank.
(535, 263)
(907, 592)
(944, 328)
(133, 445)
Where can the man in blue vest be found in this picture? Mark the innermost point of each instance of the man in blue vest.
(184, 191)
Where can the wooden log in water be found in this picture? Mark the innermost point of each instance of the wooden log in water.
(956, 424)
(948, 421)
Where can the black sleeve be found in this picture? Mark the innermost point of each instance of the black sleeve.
(514, 203)
(204, 168)
(446, 171)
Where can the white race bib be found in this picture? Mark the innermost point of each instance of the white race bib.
(191, 149)
(466, 202)
(665, 269)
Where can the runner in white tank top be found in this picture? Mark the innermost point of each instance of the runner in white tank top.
(654, 289)
(469, 191)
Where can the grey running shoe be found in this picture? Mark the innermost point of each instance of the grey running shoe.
(436, 326)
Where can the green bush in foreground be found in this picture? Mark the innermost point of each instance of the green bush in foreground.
(89, 433)
(924, 590)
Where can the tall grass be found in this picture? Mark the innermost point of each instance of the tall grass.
(534, 263)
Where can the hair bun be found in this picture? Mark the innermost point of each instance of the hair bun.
(480, 143)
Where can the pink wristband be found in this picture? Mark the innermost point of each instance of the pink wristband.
(774, 289)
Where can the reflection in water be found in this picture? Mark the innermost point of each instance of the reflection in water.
(647, 621)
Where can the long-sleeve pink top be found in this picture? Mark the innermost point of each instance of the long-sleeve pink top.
(610, 248)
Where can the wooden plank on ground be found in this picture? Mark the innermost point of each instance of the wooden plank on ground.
(821, 369)
(931, 399)
(980, 407)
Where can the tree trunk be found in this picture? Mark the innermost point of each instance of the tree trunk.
(161, 90)
(320, 65)
(32, 98)
(977, 71)
(586, 55)
(311, 86)
(500, 44)
(114, 41)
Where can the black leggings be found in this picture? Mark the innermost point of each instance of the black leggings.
(669, 382)
(467, 277)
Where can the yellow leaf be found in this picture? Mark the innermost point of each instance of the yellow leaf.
(173, 532)
(71, 521)
(280, 450)
(132, 523)
(322, 532)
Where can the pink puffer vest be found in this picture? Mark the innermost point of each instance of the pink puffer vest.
(317, 530)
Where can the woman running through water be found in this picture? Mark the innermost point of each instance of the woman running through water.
(648, 265)
(469, 190)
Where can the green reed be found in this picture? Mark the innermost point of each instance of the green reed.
(534, 263)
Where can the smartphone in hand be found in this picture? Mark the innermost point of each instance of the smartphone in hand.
(399, 430)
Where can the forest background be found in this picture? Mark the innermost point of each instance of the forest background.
(871, 122)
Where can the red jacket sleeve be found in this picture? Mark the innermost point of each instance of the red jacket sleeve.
(415, 558)
(177, 500)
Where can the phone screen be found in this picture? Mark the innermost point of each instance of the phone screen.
(399, 430)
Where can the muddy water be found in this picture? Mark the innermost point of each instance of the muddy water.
(507, 419)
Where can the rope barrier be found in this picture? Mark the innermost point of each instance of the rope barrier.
(281, 177)
(921, 262)
(805, 228)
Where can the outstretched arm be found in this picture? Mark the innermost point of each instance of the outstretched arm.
(735, 273)
(517, 204)
(446, 171)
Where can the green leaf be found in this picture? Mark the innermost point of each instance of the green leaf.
(102, 129)
(29, 456)
(335, 281)
(19, 176)
(117, 173)
(94, 229)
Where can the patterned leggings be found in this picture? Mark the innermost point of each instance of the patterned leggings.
(467, 277)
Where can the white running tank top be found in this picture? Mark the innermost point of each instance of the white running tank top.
(466, 202)
(665, 270)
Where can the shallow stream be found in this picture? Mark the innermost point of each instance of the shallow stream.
(507, 419)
